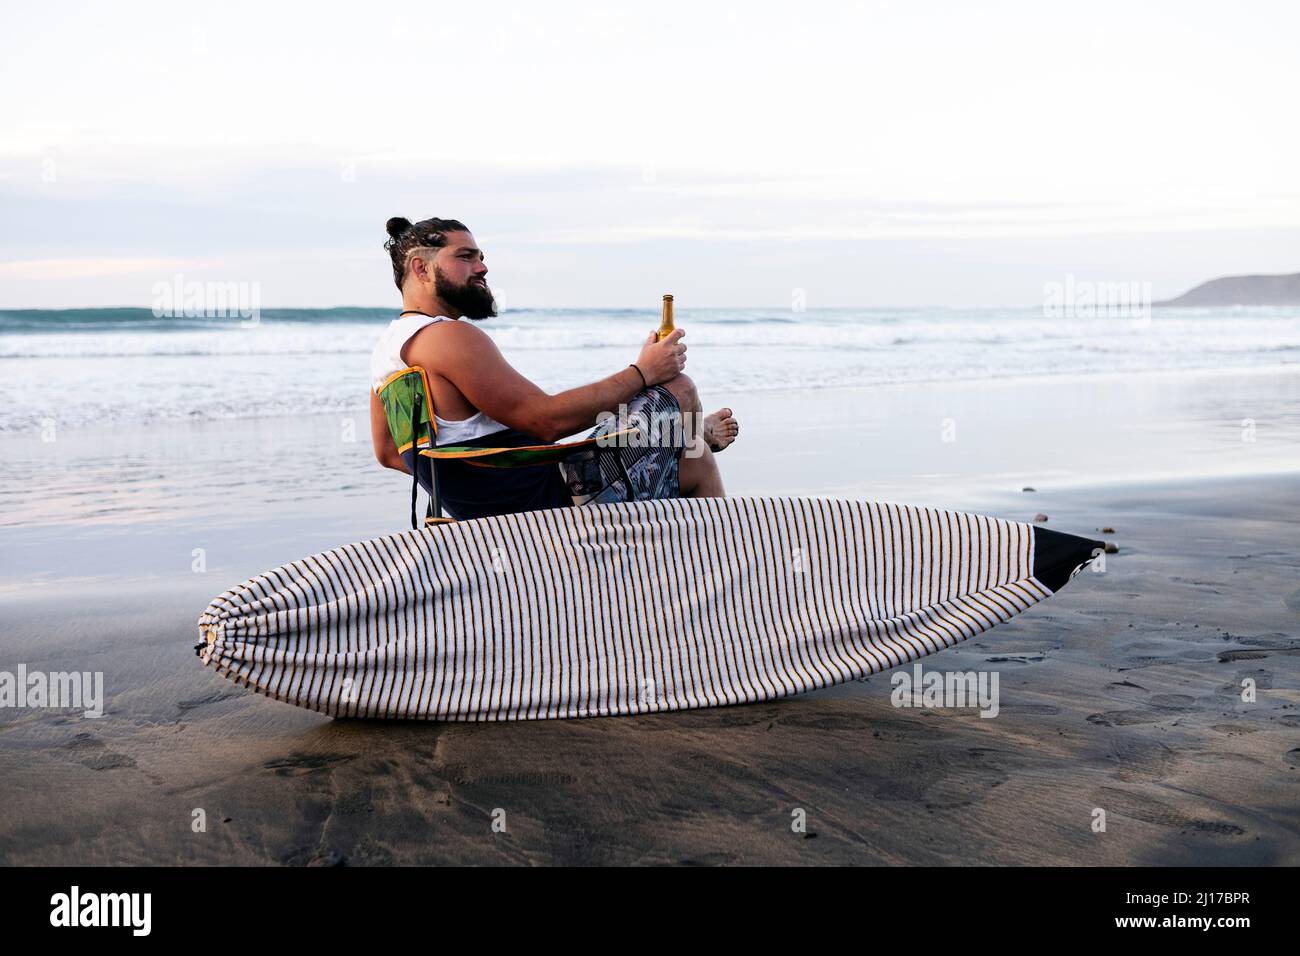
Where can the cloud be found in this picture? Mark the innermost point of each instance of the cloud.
(86, 268)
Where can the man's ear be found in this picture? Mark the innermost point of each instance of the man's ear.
(422, 269)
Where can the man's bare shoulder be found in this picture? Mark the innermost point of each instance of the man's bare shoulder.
(439, 343)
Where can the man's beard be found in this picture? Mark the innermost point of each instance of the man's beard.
(471, 300)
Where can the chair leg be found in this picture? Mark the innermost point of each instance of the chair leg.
(435, 502)
(434, 513)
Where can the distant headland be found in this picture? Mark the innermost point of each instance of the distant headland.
(1242, 290)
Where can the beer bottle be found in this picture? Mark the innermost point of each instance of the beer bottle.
(666, 326)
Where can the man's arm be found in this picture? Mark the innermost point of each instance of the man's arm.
(469, 358)
(382, 438)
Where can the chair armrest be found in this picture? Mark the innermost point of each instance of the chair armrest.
(524, 456)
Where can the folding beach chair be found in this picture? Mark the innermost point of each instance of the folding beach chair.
(408, 407)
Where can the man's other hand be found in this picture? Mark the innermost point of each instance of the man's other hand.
(660, 361)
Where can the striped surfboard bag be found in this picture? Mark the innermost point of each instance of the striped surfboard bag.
(627, 608)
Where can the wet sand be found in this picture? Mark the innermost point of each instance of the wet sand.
(1121, 693)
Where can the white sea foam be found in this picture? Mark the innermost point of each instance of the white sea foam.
(125, 366)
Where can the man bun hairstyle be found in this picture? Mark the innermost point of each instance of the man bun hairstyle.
(405, 238)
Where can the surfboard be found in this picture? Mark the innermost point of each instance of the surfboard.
(640, 607)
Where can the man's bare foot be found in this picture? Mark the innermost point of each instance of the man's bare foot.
(720, 429)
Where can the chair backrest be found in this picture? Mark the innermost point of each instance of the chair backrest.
(408, 407)
(406, 398)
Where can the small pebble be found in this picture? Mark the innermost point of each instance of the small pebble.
(1112, 547)
(1040, 517)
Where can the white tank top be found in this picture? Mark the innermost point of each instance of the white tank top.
(387, 359)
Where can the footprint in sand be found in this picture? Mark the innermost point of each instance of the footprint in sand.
(520, 778)
(184, 705)
(295, 765)
(1030, 710)
(827, 720)
(1263, 681)
(313, 856)
(1233, 729)
(1159, 814)
(1139, 759)
(1258, 653)
(1161, 707)
(89, 751)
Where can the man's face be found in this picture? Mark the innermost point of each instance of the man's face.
(460, 277)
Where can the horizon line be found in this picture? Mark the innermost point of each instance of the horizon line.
(542, 308)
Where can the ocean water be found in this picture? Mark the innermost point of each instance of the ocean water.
(101, 368)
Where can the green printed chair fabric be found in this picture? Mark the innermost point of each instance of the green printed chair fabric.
(398, 395)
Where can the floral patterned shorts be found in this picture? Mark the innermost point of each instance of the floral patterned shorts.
(651, 460)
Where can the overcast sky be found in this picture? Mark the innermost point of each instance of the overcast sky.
(867, 153)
